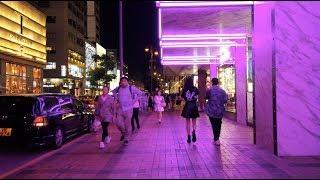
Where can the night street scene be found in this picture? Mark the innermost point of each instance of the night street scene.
(142, 89)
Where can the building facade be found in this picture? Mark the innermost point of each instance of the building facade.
(22, 47)
(93, 19)
(66, 32)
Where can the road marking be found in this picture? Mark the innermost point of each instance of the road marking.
(46, 155)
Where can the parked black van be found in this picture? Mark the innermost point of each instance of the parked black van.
(39, 119)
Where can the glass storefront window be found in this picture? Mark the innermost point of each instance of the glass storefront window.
(16, 81)
(226, 75)
(37, 82)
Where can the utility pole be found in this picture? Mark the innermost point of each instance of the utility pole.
(121, 38)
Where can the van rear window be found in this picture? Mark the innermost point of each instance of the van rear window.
(16, 104)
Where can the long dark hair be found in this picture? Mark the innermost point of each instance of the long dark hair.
(188, 85)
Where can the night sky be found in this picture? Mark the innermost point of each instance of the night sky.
(140, 30)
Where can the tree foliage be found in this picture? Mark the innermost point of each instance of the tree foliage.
(99, 74)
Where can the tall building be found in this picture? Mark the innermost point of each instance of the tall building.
(22, 47)
(113, 54)
(66, 33)
(93, 19)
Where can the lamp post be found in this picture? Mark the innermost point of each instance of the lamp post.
(153, 52)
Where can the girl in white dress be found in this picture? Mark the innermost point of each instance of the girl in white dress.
(159, 105)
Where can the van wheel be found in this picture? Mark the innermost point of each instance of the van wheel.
(58, 138)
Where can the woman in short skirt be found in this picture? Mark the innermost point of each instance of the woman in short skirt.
(190, 110)
(159, 105)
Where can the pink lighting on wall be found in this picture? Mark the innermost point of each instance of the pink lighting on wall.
(162, 4)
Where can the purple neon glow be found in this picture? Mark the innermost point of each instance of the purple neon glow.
(192, 62)
(199, 38)
(196, 43)
(187, 57)
(162, 4)
(200, 45)
(205, 35)
(159, 24)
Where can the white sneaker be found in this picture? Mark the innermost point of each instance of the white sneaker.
(101, 146)
(217, 143)
(108, 139)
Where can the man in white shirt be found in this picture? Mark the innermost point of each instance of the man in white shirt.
(125, 96)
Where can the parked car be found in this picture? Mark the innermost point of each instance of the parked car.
(42, 119)
(88, 101)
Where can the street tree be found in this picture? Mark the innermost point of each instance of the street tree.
(99, 75)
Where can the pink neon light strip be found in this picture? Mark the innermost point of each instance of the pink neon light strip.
(159, 24)
(203, 3)
(190, 63)
(200, 45)
(205, 35)
(196, 43)
(198, 38)
(187, 57)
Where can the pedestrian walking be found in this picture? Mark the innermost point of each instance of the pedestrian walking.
(150, 102)
(215, 108)
(135, 115)
(159, 104)
(125, 96)
(168, 102)
(105, 111)
(190, 110)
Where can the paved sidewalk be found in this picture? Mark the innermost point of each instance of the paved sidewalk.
(161, 151)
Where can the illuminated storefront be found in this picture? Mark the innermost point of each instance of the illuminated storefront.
(226, 76)
(22, 47)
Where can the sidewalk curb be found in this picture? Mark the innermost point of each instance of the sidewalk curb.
(46, 155)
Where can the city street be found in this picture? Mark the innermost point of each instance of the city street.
(161, 151)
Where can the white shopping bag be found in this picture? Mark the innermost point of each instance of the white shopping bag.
(96, 124)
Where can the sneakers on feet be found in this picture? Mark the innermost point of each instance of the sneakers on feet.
(194, 137)
(189, 139)
(101, 145)
(122, 138)
(108, 139)
(217, 142)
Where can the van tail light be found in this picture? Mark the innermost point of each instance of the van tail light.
(40, 121)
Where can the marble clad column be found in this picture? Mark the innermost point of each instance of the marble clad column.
(239, 53)
(262, 67)
(297, 42)
(202, 76)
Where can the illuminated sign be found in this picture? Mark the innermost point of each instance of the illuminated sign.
(22, 31)
(75, 70)
(63, 70)
(100, 50)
